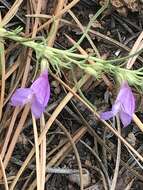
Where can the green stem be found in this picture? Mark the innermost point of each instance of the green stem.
(64, 58)
(46, 51)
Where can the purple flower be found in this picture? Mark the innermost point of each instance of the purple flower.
(37, 95)
(124, 105)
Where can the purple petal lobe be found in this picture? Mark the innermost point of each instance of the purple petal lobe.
(21, 96)
(124, 105)
(106, 115)
(41, 88)
(126, 99)
(37, 108)
(125, 118)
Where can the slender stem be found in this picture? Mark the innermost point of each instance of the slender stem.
(46, 50)
(43, 153)
(114, 181)
(37, 153)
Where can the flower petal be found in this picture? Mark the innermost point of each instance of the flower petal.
(125, 118)
(116, 107)
(37, 108)
(124, 104)
(106, 115)
(21, 96)
(126, 98)
(41, 88)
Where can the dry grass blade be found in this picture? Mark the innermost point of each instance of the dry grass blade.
(138, 122)
(138, 45)
(11, 13)
(8, 135)
(10, 70)
(13, 119)
(69, 6)
(55, 24)
(4, 174)
(34, 32)
(130, 185)
(16, 134)
(24, 115)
